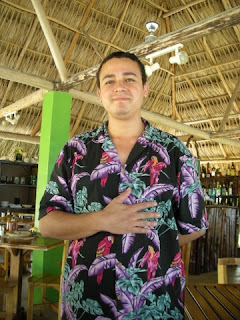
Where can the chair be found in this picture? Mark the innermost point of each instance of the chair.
(43, 281)
(4, 266)
(6, 287)
(222, 268)
(186, 253)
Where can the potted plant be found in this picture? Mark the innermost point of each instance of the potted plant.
(19, 154)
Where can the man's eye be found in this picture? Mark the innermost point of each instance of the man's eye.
(129, 80)
(109, 82)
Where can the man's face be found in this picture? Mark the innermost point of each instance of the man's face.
(121, 89)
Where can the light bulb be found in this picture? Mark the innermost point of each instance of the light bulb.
(180, 58)
(150, 69)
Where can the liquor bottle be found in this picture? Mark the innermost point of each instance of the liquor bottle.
(224, 172)
(230, 190)
(203, 173)
(228, 170)
(218, 172)
(208, 174)
(8, 218)
(233, 171)
(213, 171)
(219, 193)
(214, 191)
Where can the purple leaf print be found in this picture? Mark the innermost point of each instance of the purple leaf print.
(78, 144)
(69, 312)
(111, 303)
(188, 227)
(188, 174)
(104, 262)
(102, 318)
(172, 274)
(127, 241)
(193, 204)
(107, 200)
(120, 272)
(148, 287)
(113, 154)
(105, 168)
(100, 139)
(75, 271)
(75, 179)
(162, 152)
(61, 200)
(64, 184)
(156, 190)
(156, 147)
(137, 165)
(126, 299)
(153, 236)
(133, 260)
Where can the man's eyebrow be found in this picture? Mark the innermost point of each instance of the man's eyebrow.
(107, 76)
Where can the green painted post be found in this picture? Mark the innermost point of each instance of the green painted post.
(54, 133)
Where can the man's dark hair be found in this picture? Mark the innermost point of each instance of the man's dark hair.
(119, 55)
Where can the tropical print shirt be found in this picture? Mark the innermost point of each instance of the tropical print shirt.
(126, 276)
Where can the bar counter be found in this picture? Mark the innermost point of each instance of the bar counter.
(220, 240)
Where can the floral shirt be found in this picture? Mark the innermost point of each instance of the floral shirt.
(126, 276)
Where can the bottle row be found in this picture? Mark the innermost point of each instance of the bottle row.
(207, 172)
(220, 194)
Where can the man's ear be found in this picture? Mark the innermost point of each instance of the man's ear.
(99, 94)
(145, 89)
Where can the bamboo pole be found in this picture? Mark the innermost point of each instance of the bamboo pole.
(50, 39)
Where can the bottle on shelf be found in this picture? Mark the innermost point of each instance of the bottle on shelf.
(213, 193)
(203, 172)
(224, 172)
(8, 220)
(213, 171)
(233, 170)
(228, 170)
(230, 189)
(208, 173)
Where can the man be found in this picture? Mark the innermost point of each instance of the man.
(125, 191)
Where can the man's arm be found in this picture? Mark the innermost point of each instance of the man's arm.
(116, 217)
(190, 237)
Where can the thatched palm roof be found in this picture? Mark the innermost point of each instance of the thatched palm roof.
(199, 101)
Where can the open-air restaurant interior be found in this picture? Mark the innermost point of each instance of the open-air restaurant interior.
(50, 52)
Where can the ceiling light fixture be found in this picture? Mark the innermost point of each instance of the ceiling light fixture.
(11, 117)
(179, 58)
(152, 27)
(149, 69)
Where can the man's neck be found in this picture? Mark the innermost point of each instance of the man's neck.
(125, 128)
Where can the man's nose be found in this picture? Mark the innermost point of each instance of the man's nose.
(119, 86)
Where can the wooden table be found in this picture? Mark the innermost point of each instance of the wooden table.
(212, 301)
(17, 249)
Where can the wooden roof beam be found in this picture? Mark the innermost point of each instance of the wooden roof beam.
(57, 57)
(181, 8)
(200, 29)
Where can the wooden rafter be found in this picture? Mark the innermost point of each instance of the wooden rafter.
(55, 51)
(207, 26)
(229, 107)
(181, 8)
(68, 55)
(92, 86)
